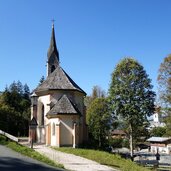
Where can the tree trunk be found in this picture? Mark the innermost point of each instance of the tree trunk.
(131, 143)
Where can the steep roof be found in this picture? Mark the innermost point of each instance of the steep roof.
(58, 80)
(53, 48)
(118, 132)
(63, 107)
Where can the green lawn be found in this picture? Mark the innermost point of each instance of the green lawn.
(28, 152)
(105, 158)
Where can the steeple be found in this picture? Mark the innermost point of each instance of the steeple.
(52, 55)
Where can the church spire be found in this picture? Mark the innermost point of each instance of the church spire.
(53, 55)
(53, 48)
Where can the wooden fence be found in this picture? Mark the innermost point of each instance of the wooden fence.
(11, 137)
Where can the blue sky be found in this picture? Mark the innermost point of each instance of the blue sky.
(92, 37)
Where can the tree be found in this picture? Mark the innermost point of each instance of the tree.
(15, 109)
(164, 81)
(26, 90)
(131, 97)
(158, 131)
(41, 80)
(97, 92)
(98, 120)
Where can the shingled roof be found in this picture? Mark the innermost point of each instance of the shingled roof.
(53, 48)
(58, 80)
(63, 107)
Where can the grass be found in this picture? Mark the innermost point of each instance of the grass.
(28, 152)
(105, 158)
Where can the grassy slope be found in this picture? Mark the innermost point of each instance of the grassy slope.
(105, 158)
(28, 152)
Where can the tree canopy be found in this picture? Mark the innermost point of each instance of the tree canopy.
(131, 97)
(15, 109)
(164, 81)
(98, 120)
(97, 92)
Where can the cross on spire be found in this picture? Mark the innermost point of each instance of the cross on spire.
(53, 22)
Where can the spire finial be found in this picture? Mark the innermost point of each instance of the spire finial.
(53, 23)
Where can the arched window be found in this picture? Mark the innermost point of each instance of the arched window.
(42, 115)
(52, 68)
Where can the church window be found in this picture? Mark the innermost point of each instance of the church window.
(43, 111)
(53, 129)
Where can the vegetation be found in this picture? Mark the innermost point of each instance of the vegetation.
(164, 81)
(98, 120)
(97, 92)
(119, 142)
(15, 109)
(158, 131)
(104, 158)
(41, 80)
(131, 98)
(28, 152)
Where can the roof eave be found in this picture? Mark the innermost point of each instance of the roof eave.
(61, 114)
(46, 90)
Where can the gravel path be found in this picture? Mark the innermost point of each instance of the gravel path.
(13, 161)
(70, 161)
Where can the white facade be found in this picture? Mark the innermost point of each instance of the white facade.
(160, 144)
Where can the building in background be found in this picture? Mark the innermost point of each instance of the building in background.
(156, 120)
(160, 144)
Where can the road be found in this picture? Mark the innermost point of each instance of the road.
(13, 161)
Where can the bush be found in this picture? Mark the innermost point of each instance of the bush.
(119, 142)
(116, 142)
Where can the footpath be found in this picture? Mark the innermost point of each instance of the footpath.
(70, 161)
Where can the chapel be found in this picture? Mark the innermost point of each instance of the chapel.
(58, 112)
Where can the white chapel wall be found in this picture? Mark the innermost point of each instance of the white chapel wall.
(42, 100)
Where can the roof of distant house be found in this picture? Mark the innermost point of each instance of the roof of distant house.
(118, 132)
(159, 139)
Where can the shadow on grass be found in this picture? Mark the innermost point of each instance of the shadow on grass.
(14, 164)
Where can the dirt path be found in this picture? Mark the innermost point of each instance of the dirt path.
(72, 162)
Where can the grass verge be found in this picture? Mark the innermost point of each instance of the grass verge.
(28, 152)
(105, 158)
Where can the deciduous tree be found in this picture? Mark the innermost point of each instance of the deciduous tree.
(98, 120)
(97, 92)
(164, 81)
(131, 97)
